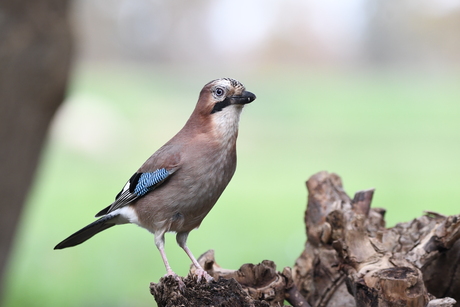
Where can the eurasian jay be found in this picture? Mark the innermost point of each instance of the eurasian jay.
(180, 183)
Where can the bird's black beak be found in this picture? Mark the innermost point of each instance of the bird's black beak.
(244, 98)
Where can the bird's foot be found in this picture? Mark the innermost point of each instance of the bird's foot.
(200, 273)
(178, 279)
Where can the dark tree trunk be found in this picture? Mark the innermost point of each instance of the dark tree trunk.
(35, 52)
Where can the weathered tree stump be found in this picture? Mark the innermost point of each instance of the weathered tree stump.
(251, 285)
(350, 259)
(222, 293)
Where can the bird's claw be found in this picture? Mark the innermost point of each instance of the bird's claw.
(200, 273)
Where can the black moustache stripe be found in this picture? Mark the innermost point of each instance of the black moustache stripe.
(221, 105)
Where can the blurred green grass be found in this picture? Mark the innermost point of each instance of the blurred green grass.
(397, 132)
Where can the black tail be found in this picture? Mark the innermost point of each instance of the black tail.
(87, 232)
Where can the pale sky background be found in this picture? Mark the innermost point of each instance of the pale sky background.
(269, 32)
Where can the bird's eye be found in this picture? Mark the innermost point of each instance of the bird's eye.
(219, 92)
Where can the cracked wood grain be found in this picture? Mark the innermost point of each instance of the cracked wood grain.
(349, 259)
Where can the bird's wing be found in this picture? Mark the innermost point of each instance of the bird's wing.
(137, 186)
(161, 165)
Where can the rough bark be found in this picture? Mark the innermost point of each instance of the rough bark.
(349, 248)
(350, 259)
(34, 59)
(258, 285)
(222, 293)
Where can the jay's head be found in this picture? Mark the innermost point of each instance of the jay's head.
(223, 97)
(219, 107)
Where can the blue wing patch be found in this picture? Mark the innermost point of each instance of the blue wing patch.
(147, 181)
(137, 186)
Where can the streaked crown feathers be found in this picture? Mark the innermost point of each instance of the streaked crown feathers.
(234, 83)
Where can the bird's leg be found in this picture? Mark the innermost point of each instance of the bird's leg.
(181, 239)
(169, 271)
(160, 243)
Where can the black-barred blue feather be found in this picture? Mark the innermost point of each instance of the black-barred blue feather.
(137, 186)
(147, 181)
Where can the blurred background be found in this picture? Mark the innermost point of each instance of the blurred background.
(367, 89)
